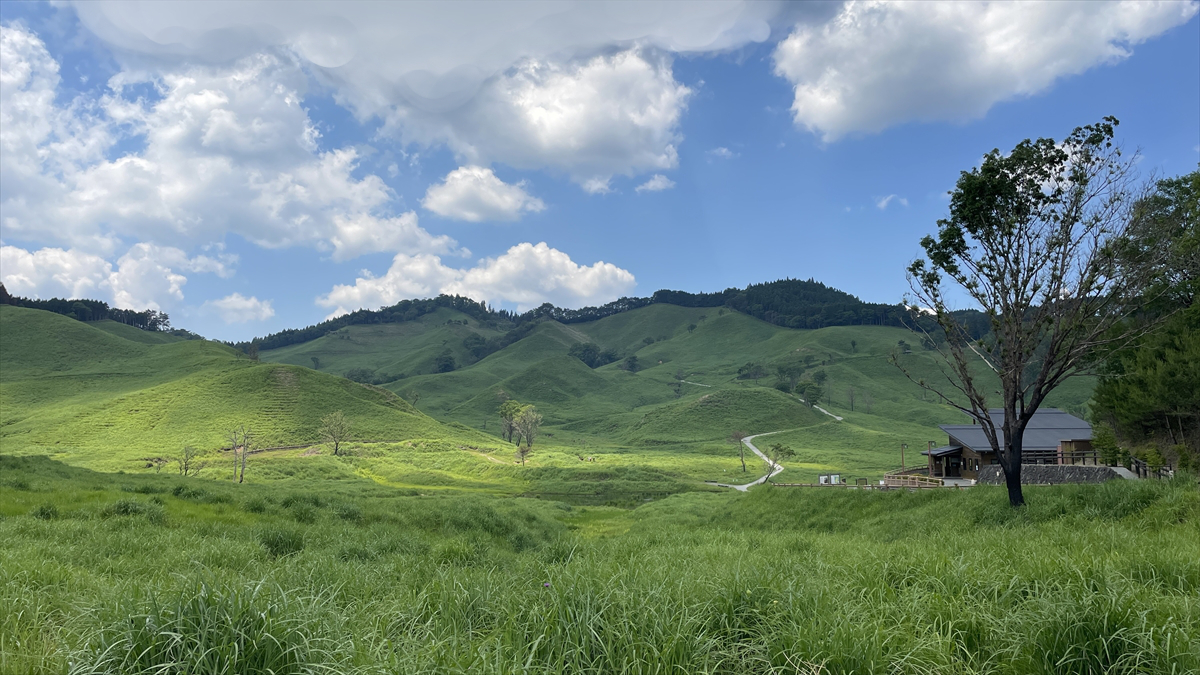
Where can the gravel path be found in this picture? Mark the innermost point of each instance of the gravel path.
(775, 468)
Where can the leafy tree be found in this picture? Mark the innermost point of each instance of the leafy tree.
(527, 423)
(316, 363)
(444, 363)
(647, 340)
(777, 453)
(1037, 238)
(335, 428)
(820, 377)
(592, 355)
(811, 392)
(509, 410)
(789, 374)
(362, 375)
(252, 351)
(631, 363)
(854, 345)
(523, 451)
(752, 371)
(691, 327)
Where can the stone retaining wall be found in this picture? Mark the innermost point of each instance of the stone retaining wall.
(1049, 474)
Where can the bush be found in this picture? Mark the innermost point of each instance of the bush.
(281, 542)
(255, 505)
(131, 507)
(45, 512)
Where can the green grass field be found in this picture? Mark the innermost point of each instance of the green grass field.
(428, 548)
(150, 574)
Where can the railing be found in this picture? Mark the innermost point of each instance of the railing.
(1144, 470)
(910, 478)
(1069, 457)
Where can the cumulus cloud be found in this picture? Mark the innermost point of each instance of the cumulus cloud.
(145, 277)
(527, 275)
(236, 308)
(657, 183)
(226, 149)
(721, 153)
(475, 194)
(878, 64)
(883, 202)
(585, 88)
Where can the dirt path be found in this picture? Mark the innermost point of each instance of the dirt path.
(774, 468)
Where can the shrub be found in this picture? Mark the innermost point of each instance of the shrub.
(45, 512)
(281, 542)
(255, 505)
(131, 507)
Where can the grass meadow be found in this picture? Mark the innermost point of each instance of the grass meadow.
(110, 573)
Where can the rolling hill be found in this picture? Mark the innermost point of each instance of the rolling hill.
(91, 396)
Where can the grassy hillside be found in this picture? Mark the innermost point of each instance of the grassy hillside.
(394, 349)
(142, 574)
(610, 409)
(87, 395)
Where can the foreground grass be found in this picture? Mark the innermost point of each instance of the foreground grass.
(145, 574)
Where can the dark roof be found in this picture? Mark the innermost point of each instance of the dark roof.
(943, 451)
(1047, 428)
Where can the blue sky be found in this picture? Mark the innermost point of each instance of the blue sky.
(249, 167)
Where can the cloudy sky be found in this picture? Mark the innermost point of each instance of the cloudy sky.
(252, 166)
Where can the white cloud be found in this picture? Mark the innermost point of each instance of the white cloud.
(584, 88)
(237, 308)
(145, 277)
(226, 149)
(475, 194)
(721, 153)
(882, 202)
(657, 183)
(526, 275)
(878, 64)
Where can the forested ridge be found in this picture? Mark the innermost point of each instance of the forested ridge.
(791, 303)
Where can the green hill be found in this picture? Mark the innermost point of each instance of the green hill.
(86, 395)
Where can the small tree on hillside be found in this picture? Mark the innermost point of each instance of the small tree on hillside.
(527, 423)
(736, 437)
(777, 453)
(1037, 238)
(316, 363)
(187, 460)
(247, 439)
(509, 409)
(335, 428)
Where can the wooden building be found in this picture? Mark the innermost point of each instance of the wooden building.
(1052, 437)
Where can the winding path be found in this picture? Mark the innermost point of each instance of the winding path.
(774, 468)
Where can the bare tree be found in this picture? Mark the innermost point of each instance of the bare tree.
(335, 428)
(158, 463)
(850, 396)
(187, 461)
(239, 438)
(867, 401)
(1037, 239)
(247, 438)
(523, 451)
(736, 437)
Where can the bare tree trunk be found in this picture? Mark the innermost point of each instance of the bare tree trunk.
(1014, 433)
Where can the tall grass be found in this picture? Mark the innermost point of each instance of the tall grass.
(1088, 580)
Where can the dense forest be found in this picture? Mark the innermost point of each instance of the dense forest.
(1147, 402)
